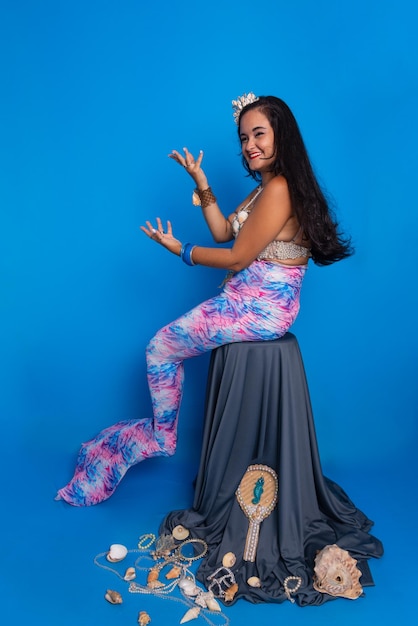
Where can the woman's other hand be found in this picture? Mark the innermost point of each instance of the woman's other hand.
(192, 166)
(159, 235)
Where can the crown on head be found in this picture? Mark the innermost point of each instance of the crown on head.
(241, 102)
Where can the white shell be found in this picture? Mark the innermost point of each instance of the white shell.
(254, 581)
(188, 587)
(229, 559)
(212, 604)
(180, 532)
(130, 574)
(117, 552)
(191, 614)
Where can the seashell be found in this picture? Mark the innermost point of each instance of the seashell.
(229, 559)
(188, 587)
(230, 592)
(254, 581)
(113, 597)
(143, 618)
(180, 532)
(191, 614)
(174, 572)
(152, 579)
(335, 573)
(130, 574)
(211, 603)
(117, 552)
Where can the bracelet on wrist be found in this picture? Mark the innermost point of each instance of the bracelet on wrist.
(203, 197)
(186, 253)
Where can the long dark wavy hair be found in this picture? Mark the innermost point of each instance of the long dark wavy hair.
(312, 210)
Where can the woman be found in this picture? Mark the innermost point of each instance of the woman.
(282, 223)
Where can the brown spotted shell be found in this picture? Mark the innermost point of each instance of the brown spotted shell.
(335, 573)
(114, 597)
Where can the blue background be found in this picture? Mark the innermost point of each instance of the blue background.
(94, 95)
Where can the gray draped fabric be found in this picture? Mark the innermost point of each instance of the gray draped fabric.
(258, 410)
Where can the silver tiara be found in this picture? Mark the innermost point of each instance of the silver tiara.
(241, 102)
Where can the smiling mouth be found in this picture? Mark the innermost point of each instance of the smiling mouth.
(254, 155)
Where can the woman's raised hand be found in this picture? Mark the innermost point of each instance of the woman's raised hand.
(192, 165)
(165, 238)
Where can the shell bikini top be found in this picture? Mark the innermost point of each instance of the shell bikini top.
(277, 250)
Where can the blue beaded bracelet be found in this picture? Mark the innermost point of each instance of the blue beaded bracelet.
(186, 253)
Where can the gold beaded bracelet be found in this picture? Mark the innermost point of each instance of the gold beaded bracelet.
(203, 198)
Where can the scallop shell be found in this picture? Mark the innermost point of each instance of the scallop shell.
(117, 552)
(143, 618)
(335, 573)
(191, 614)
(230, 592)
(188, 587)
(254, 581)
(229, 559)
(130, 574)
(113, 597)
(180, 532)
(174, 572)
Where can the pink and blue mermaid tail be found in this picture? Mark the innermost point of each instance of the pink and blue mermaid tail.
(258, 303)
(104, 460)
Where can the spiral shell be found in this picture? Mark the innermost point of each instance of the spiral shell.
(191, 614)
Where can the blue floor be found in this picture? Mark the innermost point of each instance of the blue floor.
(49, 577)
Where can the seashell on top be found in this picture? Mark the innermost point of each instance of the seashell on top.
(254, 581)
(180, 532)
(117, 552)
(190, 614)
(229, 559)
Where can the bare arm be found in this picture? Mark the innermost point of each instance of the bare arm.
(218, 225)
(266, 220)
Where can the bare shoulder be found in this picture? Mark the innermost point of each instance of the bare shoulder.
(277, 187)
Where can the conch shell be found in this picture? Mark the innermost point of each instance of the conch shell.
(130, 574)
(113, 597)
(210, 602)
(152, 579)
(174, 572)
(335, 573)
(143, 618)
(230, 592)
(191, 614)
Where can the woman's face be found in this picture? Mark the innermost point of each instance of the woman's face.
(257, 141)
